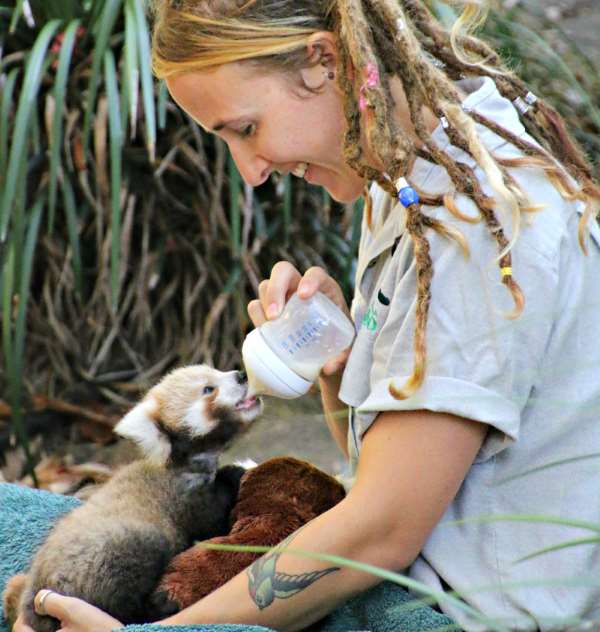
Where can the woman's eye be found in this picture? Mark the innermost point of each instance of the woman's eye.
(247, 131)
(208, 389)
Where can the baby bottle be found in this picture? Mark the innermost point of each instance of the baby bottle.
(283, 357)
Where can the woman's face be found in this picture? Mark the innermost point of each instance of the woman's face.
(269, 127)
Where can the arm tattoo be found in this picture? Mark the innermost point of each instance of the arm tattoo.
(265, 583)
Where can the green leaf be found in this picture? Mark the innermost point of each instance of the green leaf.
(143, 40)
(8, 282)
(25, 283)
(5, 112)
(17, 13)
(562, 545)
(131, 69)
(27, 102)
(287, 209)
(163, 99)
(116, 146)
(105, 25)
(58, 93)
(71, 216)
(397, 578)
(541, 468)
(534, 518)
(235, 213)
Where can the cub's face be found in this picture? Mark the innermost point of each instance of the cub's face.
(197, 406)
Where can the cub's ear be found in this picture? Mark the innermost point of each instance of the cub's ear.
(139, 425)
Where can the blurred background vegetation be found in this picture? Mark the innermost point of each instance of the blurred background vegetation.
(128, 242)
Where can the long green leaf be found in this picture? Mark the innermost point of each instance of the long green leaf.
(27, 102)
(116, 146)
(533, 518)
(8, 283)
(143, 39)
(235, 212)
(397, 578)
(15, 373)
(287, 209)
(58, 93)
(563, 545)
(25, 282)
(163, 99)
(17, 13)
(71, 216)
(541, 468)
(5, 112)
(106, 23)
(130, 68)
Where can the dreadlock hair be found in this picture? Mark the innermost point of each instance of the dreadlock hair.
(394, 39)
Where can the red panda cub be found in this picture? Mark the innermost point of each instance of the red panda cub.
(112, 550)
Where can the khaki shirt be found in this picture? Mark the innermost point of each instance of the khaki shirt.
(535, 380)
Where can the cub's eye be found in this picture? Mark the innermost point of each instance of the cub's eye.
(208, 389)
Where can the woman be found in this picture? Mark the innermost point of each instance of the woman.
(475, 301)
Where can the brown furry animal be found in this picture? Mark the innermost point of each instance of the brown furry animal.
(275, 499)
(112, 550)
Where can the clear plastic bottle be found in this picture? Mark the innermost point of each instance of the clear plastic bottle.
(283, 357)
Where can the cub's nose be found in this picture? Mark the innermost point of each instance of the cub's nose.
(241, 377)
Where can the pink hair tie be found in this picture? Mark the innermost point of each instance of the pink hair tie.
(371, 81)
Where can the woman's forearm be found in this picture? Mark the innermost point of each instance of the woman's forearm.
(287, 592)
(336, 412)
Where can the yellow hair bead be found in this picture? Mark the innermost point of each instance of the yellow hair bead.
(506, 272)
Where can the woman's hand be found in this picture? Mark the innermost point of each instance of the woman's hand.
(75, 615)
(285, 279)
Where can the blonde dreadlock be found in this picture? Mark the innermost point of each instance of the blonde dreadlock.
(394, 39)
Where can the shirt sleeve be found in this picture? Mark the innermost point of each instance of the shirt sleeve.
(481, 365)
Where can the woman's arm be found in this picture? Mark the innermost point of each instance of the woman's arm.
(410, 468)
(335, 411)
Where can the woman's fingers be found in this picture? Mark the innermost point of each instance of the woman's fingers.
(281, 285)
(316, 279)
(74, 614)
(335, 365)
(256, 313)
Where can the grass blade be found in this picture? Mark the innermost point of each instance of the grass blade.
(143, 40)
(287, 209)
(5, 111)
(60, 83)
(163, 99)
(17, 13)
(116, 145)
(71, 217)
(558, 547)
(235, 211)
(541, 468)
(130, 67)
(8, 282)
(27, 101)
(534, 518)
(396, 578)
(105, 25)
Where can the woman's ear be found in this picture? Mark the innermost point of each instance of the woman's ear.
(321, 52)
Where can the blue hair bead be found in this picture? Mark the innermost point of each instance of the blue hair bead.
(408, 196)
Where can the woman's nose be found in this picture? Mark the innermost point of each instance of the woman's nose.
(253, 168)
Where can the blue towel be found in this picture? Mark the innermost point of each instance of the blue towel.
(26, 516)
